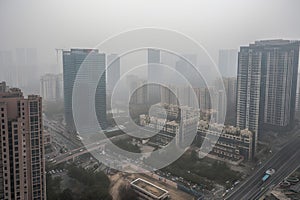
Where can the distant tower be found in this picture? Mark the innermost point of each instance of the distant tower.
(27, 68)
(113, 71)
(187, 67)
(228, 62)
(154, 72)
(72, 61)
(51, 87)
(298, 94)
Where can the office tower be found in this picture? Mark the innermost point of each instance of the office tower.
(51, 87)
(230, 88)
(7, 67)
(186, 96)
(228, 62)
(113, 71)
(204, 98)
(220, 97)
(266, 85)
(27, 67)
(187, 67)
(298, 94)
(169, 95)
(22, 164)
(72, 61)
(154, 75)
(138, 90)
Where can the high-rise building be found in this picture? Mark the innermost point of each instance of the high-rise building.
(230, 87)
(72, 61)
(169, 95)
(51, 87)
(22, 164)
(187, 67)
(266, 85)
(204, 98)
(27, 67)
(298, 94)
(154, 72)
(113, 71)
(228, 62)
(137, 89)
(220, 97)
(7, 68)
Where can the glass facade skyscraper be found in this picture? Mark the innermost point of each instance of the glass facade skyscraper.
(72, 61)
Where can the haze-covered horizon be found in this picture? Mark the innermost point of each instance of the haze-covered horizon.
(216, 25)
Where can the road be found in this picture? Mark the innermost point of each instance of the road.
(59, 131)
(284, 162)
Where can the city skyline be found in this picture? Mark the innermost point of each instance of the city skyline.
(150, 100)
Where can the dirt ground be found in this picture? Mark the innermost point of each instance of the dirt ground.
(116, 181)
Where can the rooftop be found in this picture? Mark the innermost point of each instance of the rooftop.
(149, 187)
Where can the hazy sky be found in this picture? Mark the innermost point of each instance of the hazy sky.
(217, 24)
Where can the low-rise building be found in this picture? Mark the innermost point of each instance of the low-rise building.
(148, 191)
(179, 123)
(233, 145)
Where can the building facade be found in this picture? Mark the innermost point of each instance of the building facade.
(172, 121)
(113, 72)
(154, 73)
(266, 85)
(233, 145)
(298, 94)
(72, 61)
(51, 87)
(22, 170)
(230, 87)
(228, 62)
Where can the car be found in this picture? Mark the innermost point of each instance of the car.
(270, 171)
(237, 182)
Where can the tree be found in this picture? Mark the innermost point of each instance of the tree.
(67, 194)
(127, 193)
(53, 187)
(194, 156)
